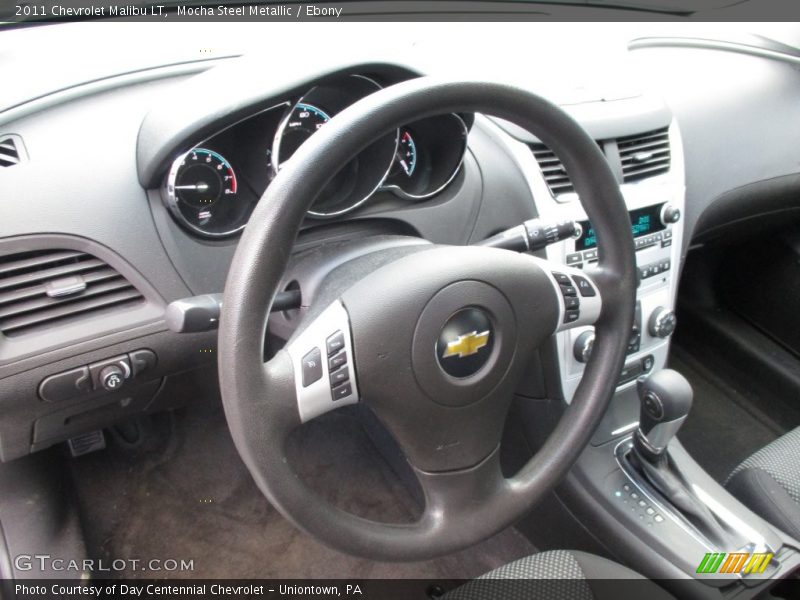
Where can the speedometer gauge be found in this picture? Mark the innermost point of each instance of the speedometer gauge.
(202, 193)
(303, 120)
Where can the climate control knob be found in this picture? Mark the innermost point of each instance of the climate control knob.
(670, 214)
(583, 346)
(662, 322)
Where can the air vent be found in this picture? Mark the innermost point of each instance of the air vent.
(554, 173)
(43, 288)
(644, 155)
(12, 151)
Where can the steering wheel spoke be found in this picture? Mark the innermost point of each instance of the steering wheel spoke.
(324, 364)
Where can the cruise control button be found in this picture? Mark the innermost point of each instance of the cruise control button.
(337, 360)
(312, 367)
(572, 302)
(342, 391)
(584, 287)
(569, 290)
(339, 376)
(335, 343)
(571, 316)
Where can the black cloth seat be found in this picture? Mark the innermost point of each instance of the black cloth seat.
(768, 483)
(561, 574)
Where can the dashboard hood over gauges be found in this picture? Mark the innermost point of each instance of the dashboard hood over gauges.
(224, 95)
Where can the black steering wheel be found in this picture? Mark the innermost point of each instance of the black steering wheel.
(433, 338)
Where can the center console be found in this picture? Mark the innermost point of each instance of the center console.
(637, 486)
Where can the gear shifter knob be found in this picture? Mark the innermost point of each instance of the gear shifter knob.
(666, 398)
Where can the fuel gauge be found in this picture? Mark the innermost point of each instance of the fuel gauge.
(406, 157)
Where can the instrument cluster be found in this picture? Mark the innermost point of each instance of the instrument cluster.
(212, 188)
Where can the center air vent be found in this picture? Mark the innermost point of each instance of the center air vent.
(554, 173)
(42, 288)
(12, 151)
(644, 155)
(641, 156)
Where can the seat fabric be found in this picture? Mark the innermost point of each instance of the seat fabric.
(768, 482)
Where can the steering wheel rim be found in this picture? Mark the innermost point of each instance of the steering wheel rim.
(260, 399)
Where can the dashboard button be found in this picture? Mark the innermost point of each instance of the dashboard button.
(142, 360)
(96, 370)
(112, 378)
(66, 385)
(574, 258)
(312, 367)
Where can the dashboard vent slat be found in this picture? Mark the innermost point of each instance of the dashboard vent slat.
(644, 155)
(12, 151)
(43, 288)
(554, 173)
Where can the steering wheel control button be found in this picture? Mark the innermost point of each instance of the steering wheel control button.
(64, 386)
(571, 316)
(465, 343)
(312, 367)
(342, 391)
(112, 378)
(335, 343)
(584, 287)
(562, 279)
(583, 346)
(339, 376)
(571, 302)
(337, 360)
(569, 290)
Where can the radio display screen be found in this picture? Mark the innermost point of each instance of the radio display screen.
(643, 222)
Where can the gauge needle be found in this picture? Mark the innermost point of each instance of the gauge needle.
(200, 187)
(404, 165)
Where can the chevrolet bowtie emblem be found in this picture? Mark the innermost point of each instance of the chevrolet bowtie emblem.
(466, 344)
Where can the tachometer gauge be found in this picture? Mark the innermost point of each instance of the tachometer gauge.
(201, 192)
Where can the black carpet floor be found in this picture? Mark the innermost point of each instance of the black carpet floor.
(183, 493)
(725, 425)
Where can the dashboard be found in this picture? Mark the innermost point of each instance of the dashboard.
(128, 191)
(211, 188)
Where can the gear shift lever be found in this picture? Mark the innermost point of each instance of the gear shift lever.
(666, 398)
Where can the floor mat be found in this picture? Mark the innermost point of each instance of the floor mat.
(191, 498)
(723, 427)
